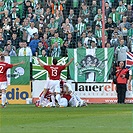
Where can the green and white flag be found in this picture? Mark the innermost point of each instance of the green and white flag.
(39, 73)
(18, 75)
(91, 65)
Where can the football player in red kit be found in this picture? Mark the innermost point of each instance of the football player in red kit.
(53, 84)
(3, 78)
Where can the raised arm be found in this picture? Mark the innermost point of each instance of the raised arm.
(69, 62)
(16, 64)
(40, 63)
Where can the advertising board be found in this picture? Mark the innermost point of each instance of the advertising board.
(91, 92)
(17, 94)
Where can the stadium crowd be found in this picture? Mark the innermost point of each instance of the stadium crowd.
(45, 28)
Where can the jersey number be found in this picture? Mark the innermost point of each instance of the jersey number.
(1, 69)
(54, 72)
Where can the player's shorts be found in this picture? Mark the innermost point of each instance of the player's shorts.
(63, 102)
(53, 86)
(3, 85)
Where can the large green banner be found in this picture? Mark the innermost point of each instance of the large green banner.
(91, 65)
(39, 73)
(18, 75)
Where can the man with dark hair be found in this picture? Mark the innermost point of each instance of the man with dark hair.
(54, 79)
(3, 79)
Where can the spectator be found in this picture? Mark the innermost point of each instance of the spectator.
(26, 51)
(2, 10)
(121, 9)
(14, 14)
(79, 28)
(64, 49)
(80, 45)
(23, 29)
(85, 14)
(57, 39)
(75, 5)
(82, 38)
(129, 13)
(107, 45)
(10, 50)
(5, 53)
(93, 45)
(47, 16)
(7, 15)
(130, 43)
(53, 25)
(109, 27)
(44, 53)
(46, 42)
(72, 17)
(40, 50)
(115, 16)
(20, 46)
(56, 43)
(15, 40)
(116, 29)
(120, 52)
(67, 31)
(114, 40)
(39, 11)
(26, 5)
(67, 22)
(93, 8)
(34, 43)
(107, 10)
(31, 30)
(56, 5)
(98, 35)
(6, 28)
(98, 15)
(71, 42)
(124, 26)
(41, 25)
(88, 39)
(59, 18)
(130, 31)
(2, 42)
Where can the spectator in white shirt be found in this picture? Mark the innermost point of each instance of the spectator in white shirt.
(30, 31)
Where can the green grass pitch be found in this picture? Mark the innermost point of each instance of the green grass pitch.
(95, 118)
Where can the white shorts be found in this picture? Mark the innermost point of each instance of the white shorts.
(3, 85)
(53, 86)
(63, 102)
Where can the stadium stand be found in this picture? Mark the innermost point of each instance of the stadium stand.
(61, 24)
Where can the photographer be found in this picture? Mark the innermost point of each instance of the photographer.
(122, 75)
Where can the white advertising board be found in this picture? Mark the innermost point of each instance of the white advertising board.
(90, 92)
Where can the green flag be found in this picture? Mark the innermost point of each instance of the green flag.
(18, 75)
(39, 73)
(91, 65)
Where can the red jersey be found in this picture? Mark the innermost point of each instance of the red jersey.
(54, 71)
(47, 95)
(3, 69)
(67, 96)
(121, 80)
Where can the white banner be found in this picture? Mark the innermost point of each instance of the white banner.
(90, 92)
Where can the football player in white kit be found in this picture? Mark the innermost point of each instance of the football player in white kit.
(69, 94)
